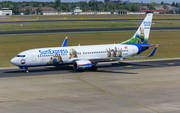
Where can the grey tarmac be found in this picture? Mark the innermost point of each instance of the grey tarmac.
(147, 86)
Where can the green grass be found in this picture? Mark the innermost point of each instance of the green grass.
(64, 25)
(82, 24)
(81, 17)
(12, 45)
(78, 17)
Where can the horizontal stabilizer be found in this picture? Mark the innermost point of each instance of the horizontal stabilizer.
(154, 50)
(152, 53)
(155, 45)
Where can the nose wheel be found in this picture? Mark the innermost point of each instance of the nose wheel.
(27, 71)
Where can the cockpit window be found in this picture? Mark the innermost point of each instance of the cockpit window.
(20, 56)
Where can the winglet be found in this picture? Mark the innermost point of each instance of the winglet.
(65, 42)
(154, 50)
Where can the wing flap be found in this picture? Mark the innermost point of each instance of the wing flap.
(97, 59)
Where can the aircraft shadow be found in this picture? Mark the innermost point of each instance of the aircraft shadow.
(46, 69)
(122, 64)
(66, 69)
(105, 71)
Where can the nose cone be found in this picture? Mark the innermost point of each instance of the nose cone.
(13, 61)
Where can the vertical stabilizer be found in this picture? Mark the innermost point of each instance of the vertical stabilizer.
(142, 34)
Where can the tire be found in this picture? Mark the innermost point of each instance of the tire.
(27, 71)
(94, 68)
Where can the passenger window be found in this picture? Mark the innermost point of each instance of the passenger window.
(20, 56)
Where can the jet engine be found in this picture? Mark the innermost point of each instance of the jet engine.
(82, 64)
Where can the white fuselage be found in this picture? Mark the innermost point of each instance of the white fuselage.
(65, 55)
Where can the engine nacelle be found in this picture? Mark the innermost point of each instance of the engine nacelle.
(82, 64)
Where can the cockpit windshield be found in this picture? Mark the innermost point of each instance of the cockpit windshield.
(20, 56)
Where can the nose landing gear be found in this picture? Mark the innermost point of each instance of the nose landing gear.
(26, 69)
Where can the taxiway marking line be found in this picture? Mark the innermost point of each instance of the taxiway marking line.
(115, 95)
(171, 63)
(127, 66)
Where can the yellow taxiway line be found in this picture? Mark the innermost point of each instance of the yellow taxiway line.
(114, 94)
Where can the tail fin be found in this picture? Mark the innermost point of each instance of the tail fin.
(142, 34)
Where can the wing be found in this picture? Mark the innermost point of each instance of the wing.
(65, 42)
(97, 59)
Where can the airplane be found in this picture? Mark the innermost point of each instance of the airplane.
(87, 57)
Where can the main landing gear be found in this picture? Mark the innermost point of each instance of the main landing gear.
(94, 68)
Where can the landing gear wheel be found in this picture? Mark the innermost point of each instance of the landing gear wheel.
(27, 71)
(94, 68)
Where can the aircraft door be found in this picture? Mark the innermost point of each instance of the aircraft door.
(33, 56)
(135, 50)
